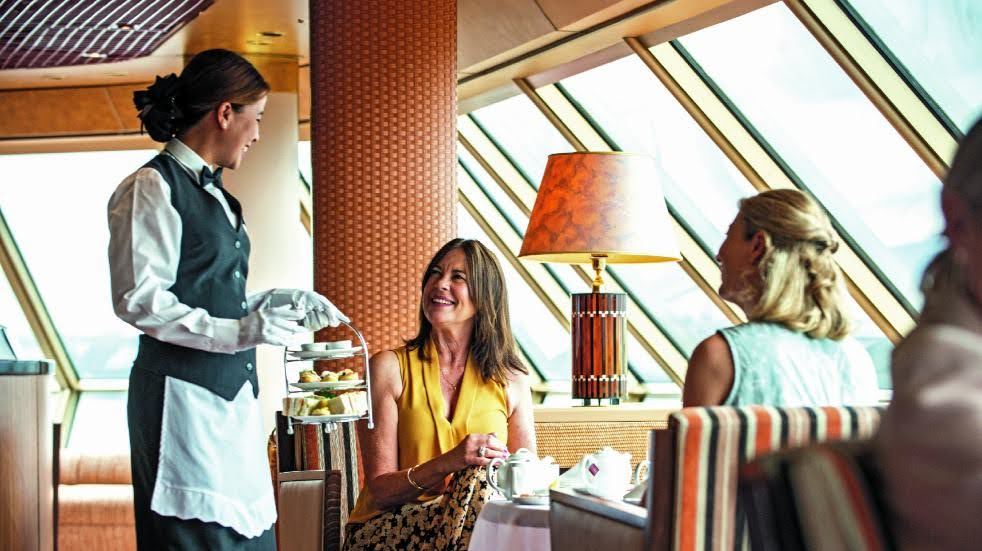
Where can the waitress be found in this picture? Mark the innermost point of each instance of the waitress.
(179, 255)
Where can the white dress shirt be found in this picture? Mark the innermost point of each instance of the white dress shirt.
(212, 463)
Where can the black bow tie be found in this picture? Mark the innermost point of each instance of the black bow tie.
(209, 177)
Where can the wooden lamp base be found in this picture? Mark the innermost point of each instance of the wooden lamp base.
(599, 346)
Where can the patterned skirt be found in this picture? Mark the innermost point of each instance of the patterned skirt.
(442, 524)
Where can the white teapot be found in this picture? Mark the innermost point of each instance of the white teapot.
(606, 473)
(522, 474)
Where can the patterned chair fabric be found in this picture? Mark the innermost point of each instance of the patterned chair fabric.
(820, 497)
(702, 450)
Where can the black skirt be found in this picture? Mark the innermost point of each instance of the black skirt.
(144, 412)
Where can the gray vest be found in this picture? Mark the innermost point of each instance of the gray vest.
(211, 274)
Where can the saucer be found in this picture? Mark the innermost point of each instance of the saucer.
(327, 418)
(584, 490)
(328, 385)
(531, 500)
(334, 353)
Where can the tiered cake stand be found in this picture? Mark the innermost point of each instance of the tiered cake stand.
(294, 354)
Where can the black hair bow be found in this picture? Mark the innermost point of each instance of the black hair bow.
(158, 106)
(161, 94)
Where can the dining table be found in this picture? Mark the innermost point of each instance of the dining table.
(506, 525)
(502, 524)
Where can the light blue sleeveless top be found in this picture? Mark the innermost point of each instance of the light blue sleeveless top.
(776, 366)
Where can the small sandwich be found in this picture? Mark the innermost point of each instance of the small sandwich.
(311, 403)
(309, 376)
(320, 407)
(355, 403)
(293, 406)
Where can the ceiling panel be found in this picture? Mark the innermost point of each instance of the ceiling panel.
(57, 33)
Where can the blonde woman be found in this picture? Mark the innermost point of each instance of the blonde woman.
(929, 443)
(777, 266)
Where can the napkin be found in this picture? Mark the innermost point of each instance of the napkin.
(573, 478)
(635, 495)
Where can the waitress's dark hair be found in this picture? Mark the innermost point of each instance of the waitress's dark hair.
(175, 103)
(492, 343)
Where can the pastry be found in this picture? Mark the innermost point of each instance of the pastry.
(347, 375)
(329, 376)
(321, 411)
(350, 403)
(309, 376)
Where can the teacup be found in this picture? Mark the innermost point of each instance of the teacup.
(522, 474)
(336, 345)
(641, 474)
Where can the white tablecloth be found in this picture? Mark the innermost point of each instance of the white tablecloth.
(505, 525)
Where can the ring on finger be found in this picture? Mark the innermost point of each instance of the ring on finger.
(481, 451)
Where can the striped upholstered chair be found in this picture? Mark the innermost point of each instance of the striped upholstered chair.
(693, 490)
(823, 497)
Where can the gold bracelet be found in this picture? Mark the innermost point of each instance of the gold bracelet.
(413, 482)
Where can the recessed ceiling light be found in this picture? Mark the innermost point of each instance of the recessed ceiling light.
(94, 55)
(53, 77)
(259, 42)
(117, 74)
(270, 34)
(123, 26)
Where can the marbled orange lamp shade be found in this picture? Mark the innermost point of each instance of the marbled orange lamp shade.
(595, 208)
(600, 204)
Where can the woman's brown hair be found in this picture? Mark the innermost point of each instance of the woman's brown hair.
(964, 179)
(175, 103)
(492, 343)
(802, 286)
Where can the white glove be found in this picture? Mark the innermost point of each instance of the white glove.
(319, 311)
(276, 325)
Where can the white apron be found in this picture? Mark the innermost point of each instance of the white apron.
(213, 464)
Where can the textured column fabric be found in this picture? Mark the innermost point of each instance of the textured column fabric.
(383, 134)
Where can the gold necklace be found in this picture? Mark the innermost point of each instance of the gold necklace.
(443, 375)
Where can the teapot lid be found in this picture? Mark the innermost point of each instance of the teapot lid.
(607, 450)
(521, 455)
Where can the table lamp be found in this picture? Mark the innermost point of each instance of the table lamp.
(598, 209)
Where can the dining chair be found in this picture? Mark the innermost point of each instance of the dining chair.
(823, 497)
(317, 484)
(692, 492)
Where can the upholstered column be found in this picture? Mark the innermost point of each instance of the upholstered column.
(268, 185)
(383, 130)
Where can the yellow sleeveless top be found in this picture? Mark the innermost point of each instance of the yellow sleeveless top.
(423, 431)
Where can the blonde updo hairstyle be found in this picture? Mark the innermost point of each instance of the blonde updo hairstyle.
(801, 284)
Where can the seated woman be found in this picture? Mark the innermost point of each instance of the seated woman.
(445, 405)
(777, 266)
(929, 443)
